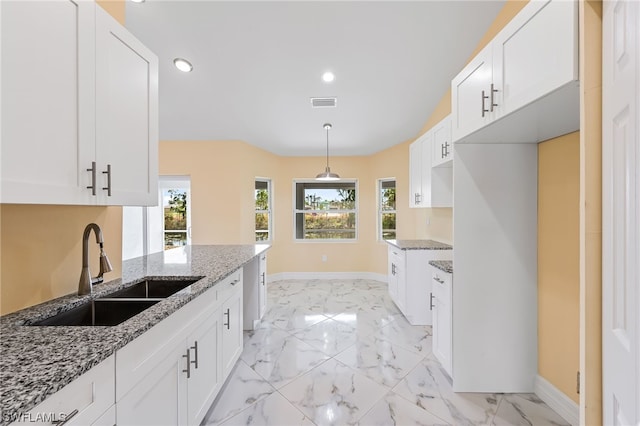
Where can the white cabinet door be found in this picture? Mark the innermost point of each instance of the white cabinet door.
(536, 55)
(262, 299)
(126, 116)
(415, 173)
(442, 319)
(470, 95)
(48, 112)
(392, 277)
(442, 146)
(160, 398)
(231, 330)
(205, 373)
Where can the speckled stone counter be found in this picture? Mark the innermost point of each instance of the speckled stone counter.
(443, 265)
(419, 245)
(37, 361)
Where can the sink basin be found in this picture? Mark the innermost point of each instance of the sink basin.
(99, 312)
(152, 289)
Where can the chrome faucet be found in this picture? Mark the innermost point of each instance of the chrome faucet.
(86, 282)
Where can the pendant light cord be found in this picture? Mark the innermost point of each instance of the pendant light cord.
(327, 148)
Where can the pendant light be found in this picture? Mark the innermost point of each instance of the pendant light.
(327, 175)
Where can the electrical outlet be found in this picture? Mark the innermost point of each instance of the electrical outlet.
(428, 221)
(324, 257)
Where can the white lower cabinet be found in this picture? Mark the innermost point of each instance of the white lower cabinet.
(82, 402)
(410, 282)
(254, 278)
(171, 374)
(231, 331)
(441, 292)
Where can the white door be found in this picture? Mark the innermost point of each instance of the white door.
(262, 292)
(470, 95)
(620, 216)
(126, 115)
(166, 382)
(231, 331)
(204, 383)
(415, 173)
(536, 56)
(48, 101)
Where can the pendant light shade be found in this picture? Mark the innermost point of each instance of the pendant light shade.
(327, 175)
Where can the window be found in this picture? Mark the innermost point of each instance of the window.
(176, 211)
(263, 209)
(325, 210)
(387, 209)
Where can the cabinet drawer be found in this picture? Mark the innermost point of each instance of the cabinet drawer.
(228, 285)
(89, 396)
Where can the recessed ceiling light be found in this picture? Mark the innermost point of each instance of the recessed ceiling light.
(138, 1)
(183, 65)
(328, 77)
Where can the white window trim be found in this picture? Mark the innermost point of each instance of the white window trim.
(356, 210)
(269, 211)
(379, 205)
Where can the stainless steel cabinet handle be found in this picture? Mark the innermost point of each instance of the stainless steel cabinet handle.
(431, 302)
(67, 417)
(234, 282)
(393, 269)
(493, 104)
(108, 173)
(188, 357)
(228, 319)
(195, 360)
(93, 178)
(483, 98)
(263, 279)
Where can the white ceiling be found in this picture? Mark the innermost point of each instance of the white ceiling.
(256, 64)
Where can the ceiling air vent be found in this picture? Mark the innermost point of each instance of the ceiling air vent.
(324, 102)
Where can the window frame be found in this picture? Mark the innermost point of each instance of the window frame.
(355, 210)
(380, 211)
(175, 182)
(269, 211)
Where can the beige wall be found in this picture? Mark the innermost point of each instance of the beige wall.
(558, 261)
(590, 212)
(40, 245)
(223, 173)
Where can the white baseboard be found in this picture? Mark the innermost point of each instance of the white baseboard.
(558, 401)
(327, 276)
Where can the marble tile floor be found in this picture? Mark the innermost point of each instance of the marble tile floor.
(338, 352)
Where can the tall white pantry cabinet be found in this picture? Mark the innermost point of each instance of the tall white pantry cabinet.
(521, 89)
(79, 107)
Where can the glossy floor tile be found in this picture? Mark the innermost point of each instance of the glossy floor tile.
(339, 352)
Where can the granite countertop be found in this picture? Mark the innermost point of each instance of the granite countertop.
(37, 361)
(419, 245)
(443, 265)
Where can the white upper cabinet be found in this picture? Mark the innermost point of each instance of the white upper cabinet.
(428, 186)
(469, 95)
(529, 73)
(442, 147)
(79, 94)
(48, 110)
(126, 116)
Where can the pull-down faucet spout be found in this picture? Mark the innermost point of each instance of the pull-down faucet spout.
(85, 286)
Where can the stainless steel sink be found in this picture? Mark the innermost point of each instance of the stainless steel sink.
(99, 312)
(117, 307)
(152, 289)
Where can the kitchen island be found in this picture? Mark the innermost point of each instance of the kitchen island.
(37, 361)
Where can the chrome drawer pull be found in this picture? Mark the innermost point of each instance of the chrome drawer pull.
(195, 360)
(67, 417)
